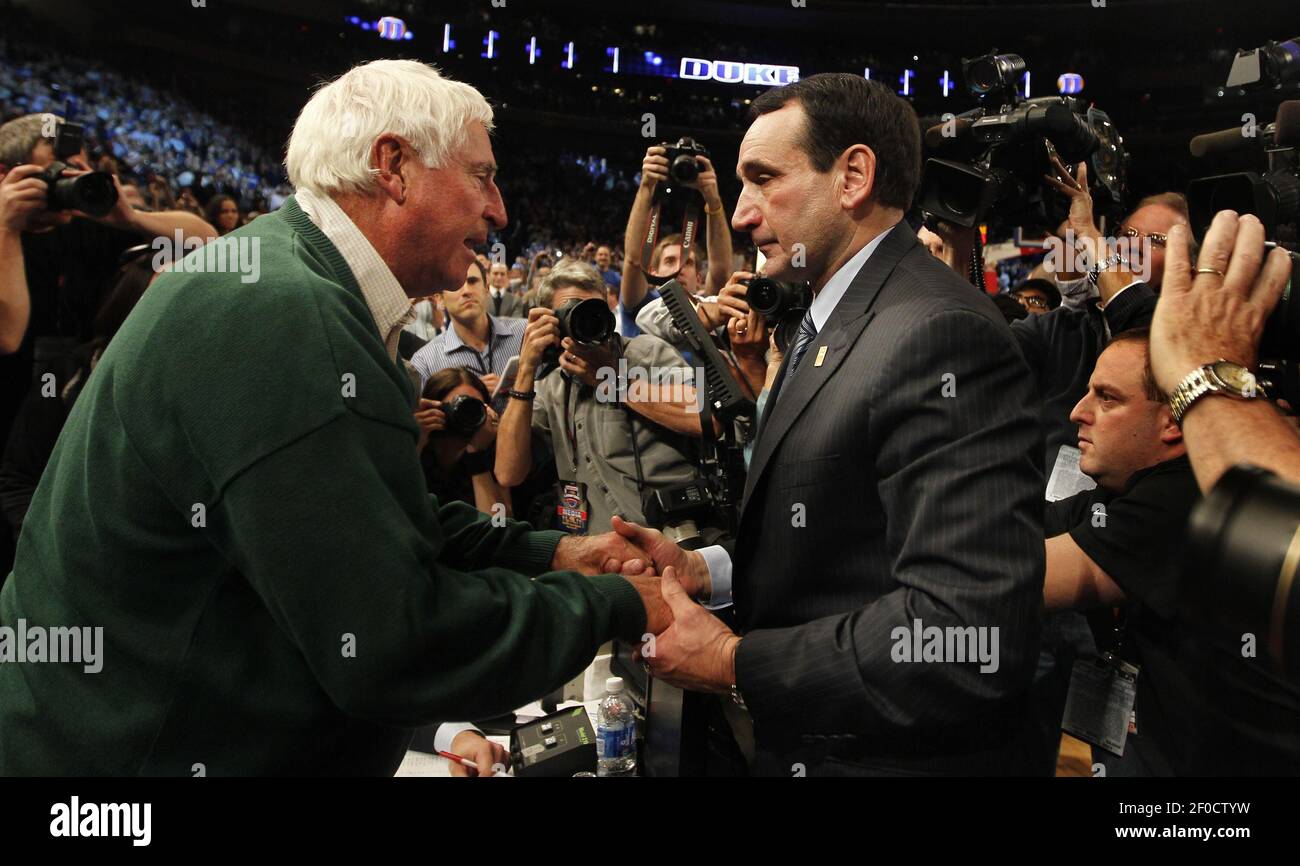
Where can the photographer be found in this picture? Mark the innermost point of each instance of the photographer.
(22, 199)
(589, 429)
(667, 257)
(67, 259)
(458, 462)
(1218, 311)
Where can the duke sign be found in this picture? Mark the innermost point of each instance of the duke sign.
(735, 72)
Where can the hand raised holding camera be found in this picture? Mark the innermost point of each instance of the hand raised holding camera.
(542, 332)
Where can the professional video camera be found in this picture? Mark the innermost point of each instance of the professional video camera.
(782, 304)
(1275, 65)
(991, 160)
(682, 166)
(1243, 559)
(1272, 192)
(93, 193)
(587, 322)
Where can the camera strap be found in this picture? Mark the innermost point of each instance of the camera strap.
(631, 421)
(690, 225)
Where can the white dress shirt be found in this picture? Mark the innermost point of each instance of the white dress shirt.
(383, 293)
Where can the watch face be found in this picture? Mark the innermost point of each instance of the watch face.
(1235, 377)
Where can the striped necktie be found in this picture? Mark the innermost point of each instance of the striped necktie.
(807, 333)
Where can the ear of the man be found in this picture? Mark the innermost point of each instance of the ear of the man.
(859, 176)
(389, 160)
(1170, 432)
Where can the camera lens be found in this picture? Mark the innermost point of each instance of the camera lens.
(465, 415)
(590, 322)
(1242, 558)
(982, 75)
(764, 296)
(685, 169)
(92, 193)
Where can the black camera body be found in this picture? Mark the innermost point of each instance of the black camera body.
(680, 510)
(94, 194)
(1275, 65)
(682, 166)
(782, 304)
(774, 299)
(465, 414)
(587, 322)
(1272, 192)
(990, 161)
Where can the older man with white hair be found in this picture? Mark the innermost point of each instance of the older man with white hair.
(238, 512)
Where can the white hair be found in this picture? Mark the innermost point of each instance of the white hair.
(329, 148)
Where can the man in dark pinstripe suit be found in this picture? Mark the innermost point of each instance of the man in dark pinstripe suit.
(893, 511)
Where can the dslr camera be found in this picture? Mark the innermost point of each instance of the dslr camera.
(587, 322)
(93, 193)
(682, 166)
(782, 304)
(465, 415)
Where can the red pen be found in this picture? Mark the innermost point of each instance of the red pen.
(465, 762)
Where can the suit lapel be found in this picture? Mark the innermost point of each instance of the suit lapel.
(850, 317)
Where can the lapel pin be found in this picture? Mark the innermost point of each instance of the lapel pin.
(821, 356)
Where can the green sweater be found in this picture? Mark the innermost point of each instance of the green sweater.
(236, 500)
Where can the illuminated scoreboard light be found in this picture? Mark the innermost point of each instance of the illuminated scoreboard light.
(389, 27)
(1070, 83)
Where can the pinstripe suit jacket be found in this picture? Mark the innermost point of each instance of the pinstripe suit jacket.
(897, 479)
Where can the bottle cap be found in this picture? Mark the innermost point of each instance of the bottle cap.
(614, 684)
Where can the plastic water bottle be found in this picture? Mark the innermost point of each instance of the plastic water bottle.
(615, 731)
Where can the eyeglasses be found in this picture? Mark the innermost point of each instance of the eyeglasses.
(1157, 239)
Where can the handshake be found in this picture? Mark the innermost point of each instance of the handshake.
(685, 645)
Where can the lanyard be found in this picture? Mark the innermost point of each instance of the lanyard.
(479, 358)
(570, 433)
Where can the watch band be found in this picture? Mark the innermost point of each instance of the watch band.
(526, 396)
(1194, 386)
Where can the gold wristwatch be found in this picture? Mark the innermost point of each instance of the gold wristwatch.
(1221, 377)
